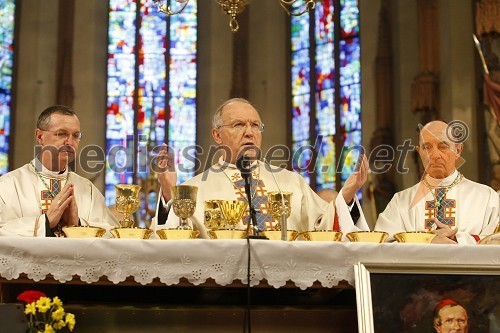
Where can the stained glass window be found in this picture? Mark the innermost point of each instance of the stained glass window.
(7, 11)
(151, 94)
(326, 92)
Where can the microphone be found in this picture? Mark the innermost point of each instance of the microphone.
(284, 227)
(243, 164)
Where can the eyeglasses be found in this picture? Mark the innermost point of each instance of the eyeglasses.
(63, 135)
(257, 127)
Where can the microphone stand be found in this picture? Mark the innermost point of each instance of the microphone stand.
(247, 177)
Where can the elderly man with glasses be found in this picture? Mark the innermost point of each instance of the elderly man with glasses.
(237, 130)
(41, 197)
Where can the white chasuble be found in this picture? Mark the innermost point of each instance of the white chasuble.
(471, 207)
(223, 181)
(25, 196)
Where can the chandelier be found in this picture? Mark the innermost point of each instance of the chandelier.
(235, 7)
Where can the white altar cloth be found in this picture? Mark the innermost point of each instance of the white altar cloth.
(225, 261)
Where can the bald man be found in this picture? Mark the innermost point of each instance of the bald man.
(453, 207)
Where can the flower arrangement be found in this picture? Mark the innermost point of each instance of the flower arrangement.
(45, 315)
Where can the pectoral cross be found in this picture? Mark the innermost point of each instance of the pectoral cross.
(440, 208)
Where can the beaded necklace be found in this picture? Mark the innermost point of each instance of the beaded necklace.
(41, 177)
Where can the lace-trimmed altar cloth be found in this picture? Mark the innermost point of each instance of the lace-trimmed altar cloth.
(224, 261)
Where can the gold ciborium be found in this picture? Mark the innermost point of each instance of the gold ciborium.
(279, 206)
(232, 211)
(127, 202)
(213, 215)
(184, 203)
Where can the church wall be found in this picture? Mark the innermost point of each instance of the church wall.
(36, 72)
(458, 91)
(405, 52)
(268, 77)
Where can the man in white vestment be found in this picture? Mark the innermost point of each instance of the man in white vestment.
(453, 207)
(238, 128)
(41, 197)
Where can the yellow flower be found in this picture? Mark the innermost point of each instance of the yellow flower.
(30, 309)
(57, 302)
(59, 324)
(58, 314)
(70, 320)
(49, 329)
(43, 304)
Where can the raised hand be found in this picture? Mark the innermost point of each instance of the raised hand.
(355, 181)
(165, 168)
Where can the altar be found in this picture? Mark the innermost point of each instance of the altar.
(200, 285)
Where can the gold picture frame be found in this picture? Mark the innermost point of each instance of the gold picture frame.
(407, 298)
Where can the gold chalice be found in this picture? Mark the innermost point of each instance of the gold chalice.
(127, 202)
(279, 206)
(213, 215)
(184, 203)
(232, 211)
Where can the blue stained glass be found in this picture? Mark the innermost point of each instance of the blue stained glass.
(350, 61)
(325, 67)
(182, 88)
(301, 158)
(349, 18)
(7, 11)
(325, 116)
(325, 164)
(350, 110)
(300, 72)
(157, 99)
(349, 154)
(324, 30)
(300, 32)
(323, 46)
(300, 118)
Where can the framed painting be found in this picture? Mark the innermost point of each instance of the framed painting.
(427, 298)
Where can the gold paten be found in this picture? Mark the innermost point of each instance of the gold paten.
(322, 235)
(140, 233)
(227, 234)
(415, 237)
(367, 236)
(291, 235)
(83, 232)
(173, 234)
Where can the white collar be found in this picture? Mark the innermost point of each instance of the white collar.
(444, 181)
(41, 169)
(224, 164)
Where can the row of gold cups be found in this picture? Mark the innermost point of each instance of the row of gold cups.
(318, 235)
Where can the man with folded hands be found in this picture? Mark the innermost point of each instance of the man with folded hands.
(444, 202)
(43, 196)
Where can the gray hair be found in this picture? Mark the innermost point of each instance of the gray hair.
(43, 121)
(217, 118)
